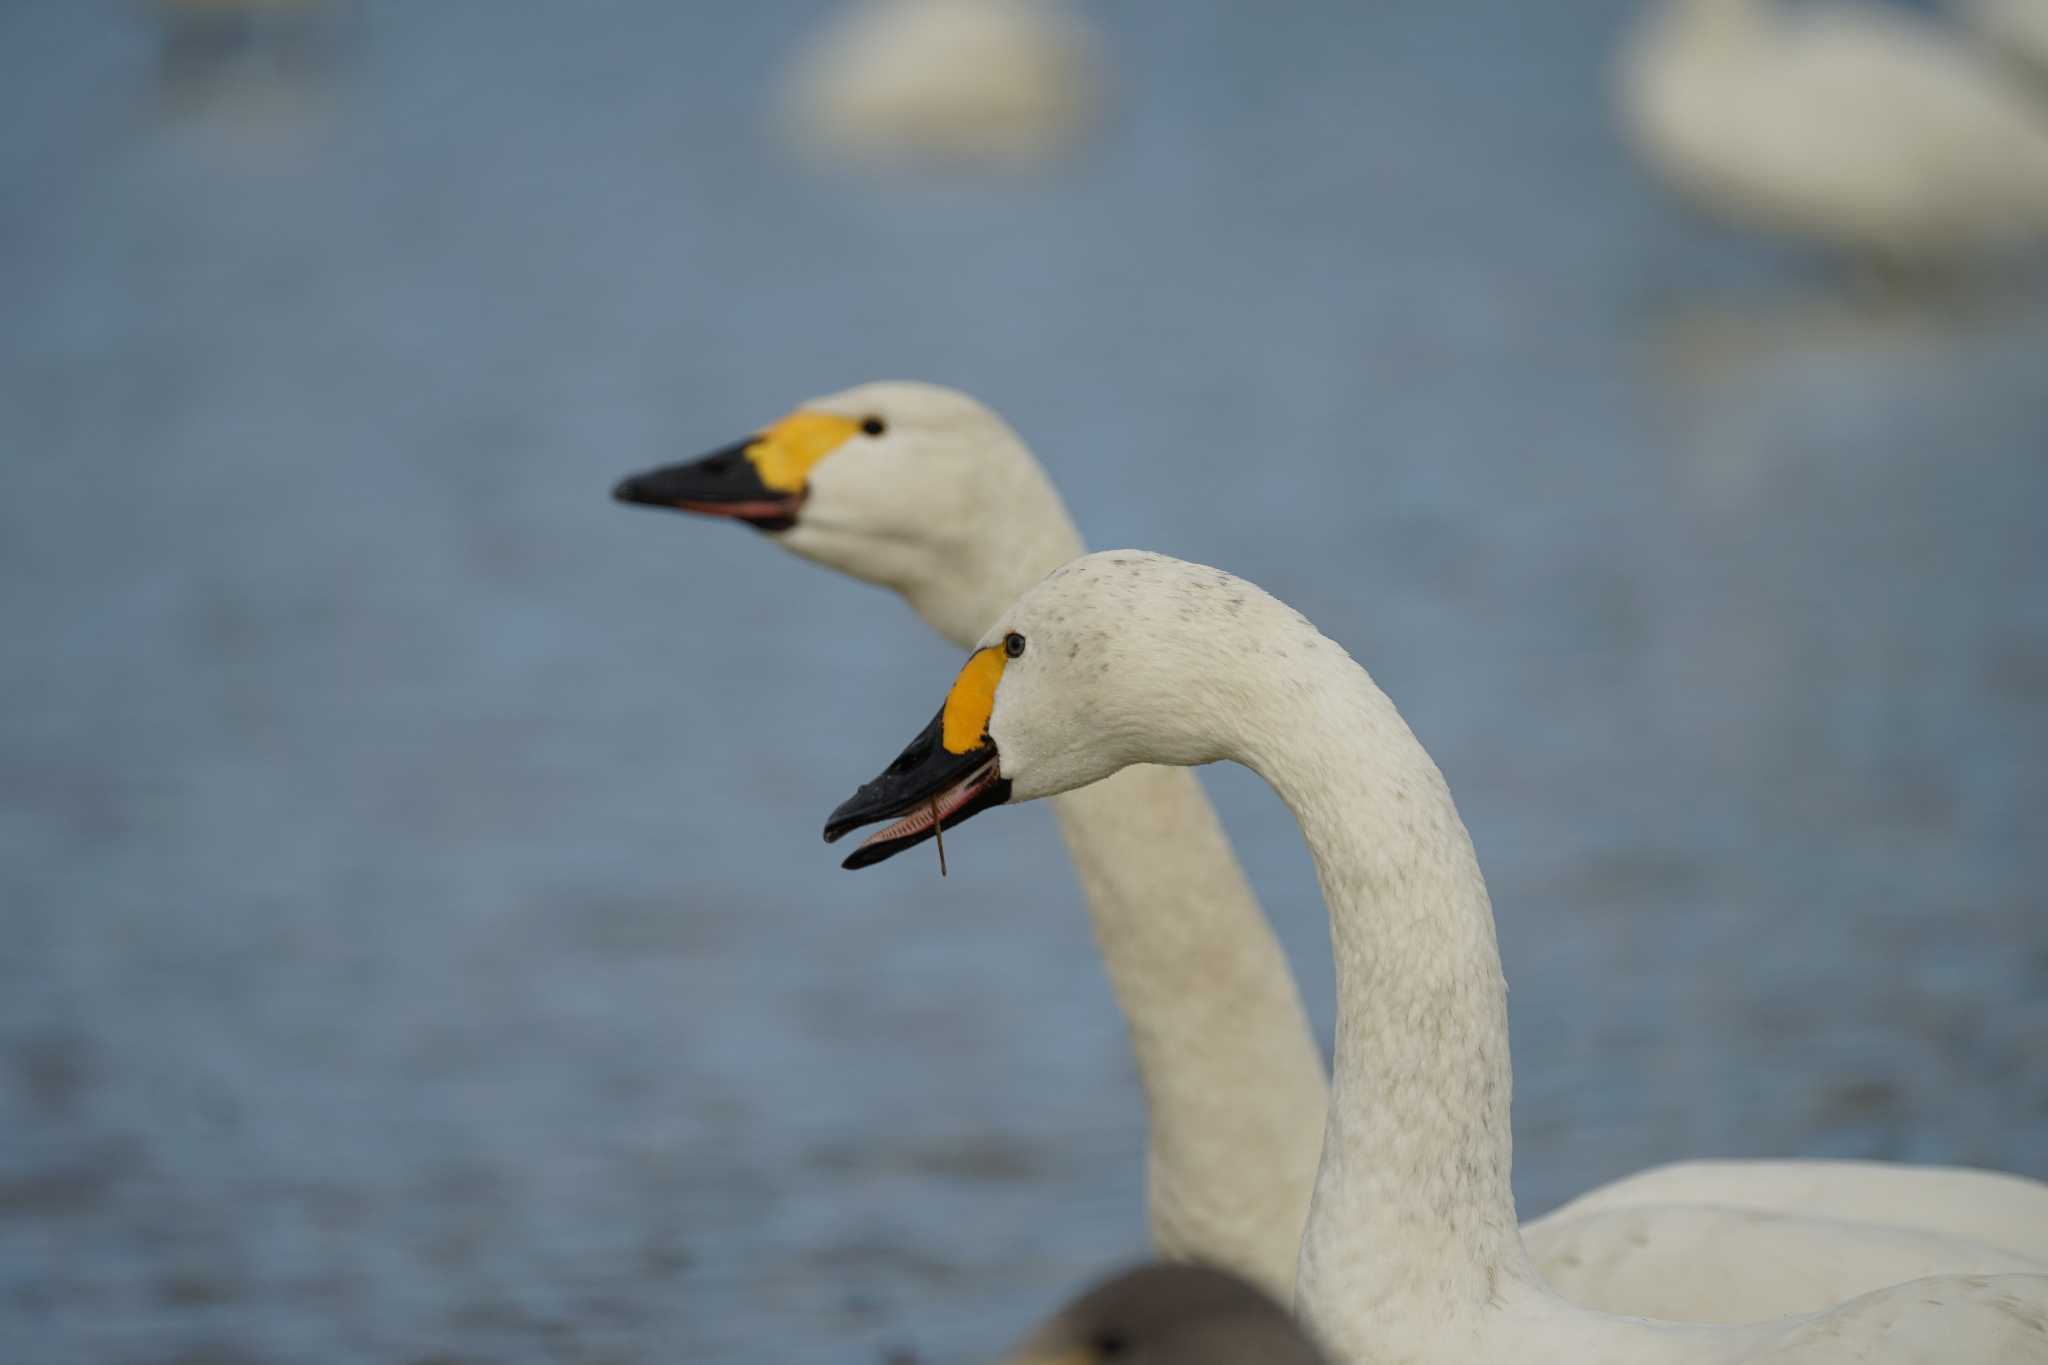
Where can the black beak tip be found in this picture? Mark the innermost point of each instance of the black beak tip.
(850, 815)
(863, 857)
(628, 490)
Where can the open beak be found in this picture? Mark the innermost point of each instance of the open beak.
(928, 788)
(724, 483)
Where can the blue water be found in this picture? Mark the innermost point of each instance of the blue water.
(417, 942)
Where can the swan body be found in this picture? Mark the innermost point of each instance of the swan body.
(1411, 1251)
(2016, 29)
(1988, 1211)
(1714, 1263)
(995, 80)
(946, 506)
(1853, 125)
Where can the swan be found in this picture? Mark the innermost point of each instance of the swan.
(2016, 29)
(1411, 1251)
(994, 80)
(1169, 1314)
(925, 491)
(1853, 125)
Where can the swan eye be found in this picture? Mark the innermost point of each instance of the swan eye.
(873, 426)
(1109, 1345)
(1013, 644)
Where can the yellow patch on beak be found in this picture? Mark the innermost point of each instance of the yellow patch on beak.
(972, 699)
(785, 453)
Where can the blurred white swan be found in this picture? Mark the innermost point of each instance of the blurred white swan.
(2016, 28)
(1854, 125)
(925, 491)
(994, 80)
(1411, 1252)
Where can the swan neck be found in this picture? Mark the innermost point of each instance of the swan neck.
(1233, 1082)
(1234, 1087)
(985, 562)
(1413, 1214)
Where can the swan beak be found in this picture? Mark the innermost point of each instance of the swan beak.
(761, 480)
(724, 483)
(929, 787)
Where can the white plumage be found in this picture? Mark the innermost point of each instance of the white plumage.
(999, 80)
(2016, 29)
(1411, 1252)
(1856, 126)
(947, 507)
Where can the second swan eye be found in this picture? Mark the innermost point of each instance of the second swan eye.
(1013, 644)
(873, 426)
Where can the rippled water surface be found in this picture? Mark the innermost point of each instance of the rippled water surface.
(417, 943)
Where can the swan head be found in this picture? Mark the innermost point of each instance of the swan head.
(1164, 1314)
(1115, 658)
(914, 487)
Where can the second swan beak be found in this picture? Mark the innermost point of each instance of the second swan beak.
(724, 483)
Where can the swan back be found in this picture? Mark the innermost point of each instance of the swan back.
(1689, 1262)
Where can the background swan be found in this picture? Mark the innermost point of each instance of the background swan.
(945, 505)
(1988, 1209)
(1702, 1262)
(999, 80)
(1411, 1250)
(1170, 1314)
(1853, 125)
(2017, 29)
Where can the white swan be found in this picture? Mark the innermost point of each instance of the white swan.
(994, 80)
(1411, 1252)
(925, 491)
(2016, 29)
(1854, 125)
(943, 504)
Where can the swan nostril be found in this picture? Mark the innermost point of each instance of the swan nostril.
(717, 464)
